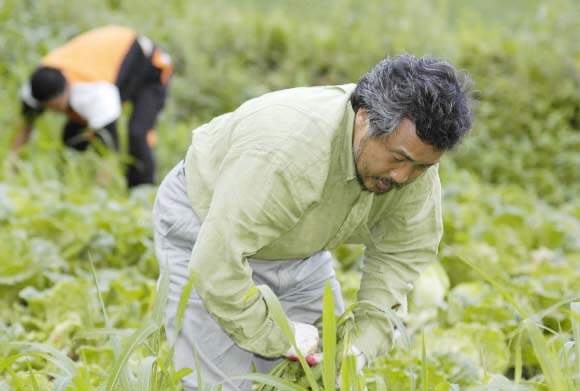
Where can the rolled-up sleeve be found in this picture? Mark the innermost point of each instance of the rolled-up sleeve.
(406, 241)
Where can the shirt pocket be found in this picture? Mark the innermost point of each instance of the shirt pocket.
(178, 225)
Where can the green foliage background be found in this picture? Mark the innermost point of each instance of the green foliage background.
(510, 191)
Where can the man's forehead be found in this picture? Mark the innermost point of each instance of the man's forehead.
(405, 141)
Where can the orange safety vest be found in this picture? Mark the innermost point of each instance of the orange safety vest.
(96, 55)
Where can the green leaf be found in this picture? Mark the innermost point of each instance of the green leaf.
(146, 373)
(277, 313)
(575, 308)
(181, 307)
(281, 384)
(548, 361)
(424, 369)
(100, 296)
(328, 340)
(55, 356)
(133, 342)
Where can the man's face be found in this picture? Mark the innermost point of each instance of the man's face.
(391, 161)
(59, 103)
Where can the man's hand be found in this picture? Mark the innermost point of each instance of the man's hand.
(307, 340)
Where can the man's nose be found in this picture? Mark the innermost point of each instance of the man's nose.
(402, 174)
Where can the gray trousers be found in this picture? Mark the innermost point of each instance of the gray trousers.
(298, 283)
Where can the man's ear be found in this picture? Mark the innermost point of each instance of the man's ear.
(362, 115)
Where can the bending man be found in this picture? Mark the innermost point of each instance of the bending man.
(88, 78)
(265, 191)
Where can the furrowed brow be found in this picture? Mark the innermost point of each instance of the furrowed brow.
(410, 158)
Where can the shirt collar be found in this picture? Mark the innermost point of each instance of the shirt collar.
(347, 155)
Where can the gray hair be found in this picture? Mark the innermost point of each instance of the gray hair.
(428, 91)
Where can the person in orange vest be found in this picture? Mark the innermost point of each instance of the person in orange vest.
(88, 79)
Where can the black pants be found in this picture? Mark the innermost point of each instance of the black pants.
(142, 84)
(147, 103)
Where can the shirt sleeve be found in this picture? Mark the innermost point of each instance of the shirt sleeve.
(254, 203)
(404, 243)
(98, 102)
(30, 106)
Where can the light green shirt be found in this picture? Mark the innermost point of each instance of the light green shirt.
(276, 179)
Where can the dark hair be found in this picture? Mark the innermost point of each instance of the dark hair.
(47, 83)
(428, 91)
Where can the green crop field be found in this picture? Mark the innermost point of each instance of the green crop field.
(499, 311)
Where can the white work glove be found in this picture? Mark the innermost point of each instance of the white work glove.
(361, 362)
(307, 340)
